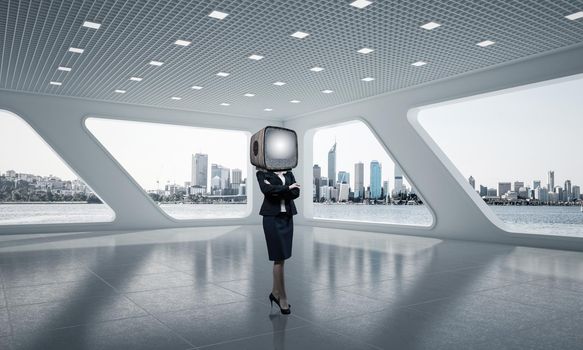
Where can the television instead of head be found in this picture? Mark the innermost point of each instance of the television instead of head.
(274, 148)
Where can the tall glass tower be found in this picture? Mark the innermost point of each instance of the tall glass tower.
(359, 180)
(200, 164)
(375, 179)
(332, 165)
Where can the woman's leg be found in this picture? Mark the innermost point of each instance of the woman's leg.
(279, 284)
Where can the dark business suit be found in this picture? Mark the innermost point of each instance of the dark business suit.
(277, 225)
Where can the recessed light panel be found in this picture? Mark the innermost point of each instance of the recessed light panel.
(419, 63)
(365, 50)
(176, 98)
(183, 42)
(300, 35)
(120, 91)
(327, 91)
(256, 57)
(91, 25)
(279, 83)
(295, 101)
(218, 14)
(249, 95)
(575, 15)
(57, 83)
(223, 74)
(268, 109)
(135, 79)
(156, 63)
(430, 25)
(196, 87)
(367, 79)
(485, 43)
(360, 3)
(225, 104)
(317, 69)
(64, 69)
(76, 50)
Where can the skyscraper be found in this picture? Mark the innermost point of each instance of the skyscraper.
(483, 191)
(385, 188)
(551, 180)
(536, 184)
(518, 185)
(332, 165)
(472, 182)
(359, 180)
(398, 180)
(199, 170)
(317, 171)
(317, 175)
(343, 177)
(567, 191)
(504, 187)
(225, 177)
(375, 179)
(236, 179)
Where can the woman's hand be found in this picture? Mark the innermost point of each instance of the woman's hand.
(294, 185)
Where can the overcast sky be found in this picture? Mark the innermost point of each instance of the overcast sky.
(516, 136)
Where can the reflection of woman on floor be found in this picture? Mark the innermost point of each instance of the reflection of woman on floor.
(280, 189)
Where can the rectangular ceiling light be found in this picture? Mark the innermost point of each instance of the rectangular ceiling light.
(300, 35)
(486, 43)
(360, 3)
(327, 91)
(365, 50)
(268, 109)
(419, 63)
(575, 15)
(225, 104)
(156, 63)
(64, 69)
(91, 25)
(196, 87)
(317, 69)
(176, 98)
(249, 95)
(222, 74)
(279, 83)
(76, 50)
(182, 42)
(120, 91)
(430, 25)
(256, 57)
(135, 79)
(218, 14)
(295, 101)
(57, 83)
(367, 79)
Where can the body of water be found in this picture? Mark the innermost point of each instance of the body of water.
(567, 221)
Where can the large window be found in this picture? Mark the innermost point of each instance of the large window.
(36, 186)
(520, 151)
(190, 172)
(355, 179)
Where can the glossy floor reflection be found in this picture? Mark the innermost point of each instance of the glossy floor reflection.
(208, 287)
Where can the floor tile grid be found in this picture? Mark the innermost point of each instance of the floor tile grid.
(148, 313)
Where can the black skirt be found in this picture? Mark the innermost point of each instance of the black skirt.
(279, 232)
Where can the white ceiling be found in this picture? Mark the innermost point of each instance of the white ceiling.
(35, 36)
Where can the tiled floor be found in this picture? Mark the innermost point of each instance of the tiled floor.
(208, 287)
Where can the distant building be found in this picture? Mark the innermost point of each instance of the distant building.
(536, 184)
(236, 179)
(503, 187)
(332, 165)
(375, 179)
(551, 180)
(518, 185)
(483, 191)
(343, 192)
(576, 192)
(385, 188)
(560, 193)
(568, 190)
(317, 171)
(399, 187)
(359, 180)
(343, 177)
(472, 182)
(199, 171)
(492, 192)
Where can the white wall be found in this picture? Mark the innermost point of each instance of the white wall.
(392, 117)
(60, 121)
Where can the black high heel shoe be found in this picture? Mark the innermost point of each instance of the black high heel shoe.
(272, 298)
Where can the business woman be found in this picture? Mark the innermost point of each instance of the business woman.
(279, 189)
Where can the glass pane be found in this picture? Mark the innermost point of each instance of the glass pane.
(520, 151)
(36, 186)
(190, 172)
(355, 179)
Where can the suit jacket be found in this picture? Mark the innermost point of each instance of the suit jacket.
(275, 191)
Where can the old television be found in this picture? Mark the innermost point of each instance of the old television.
(274, 148)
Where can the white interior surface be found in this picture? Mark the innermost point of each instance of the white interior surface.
(391, 116)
